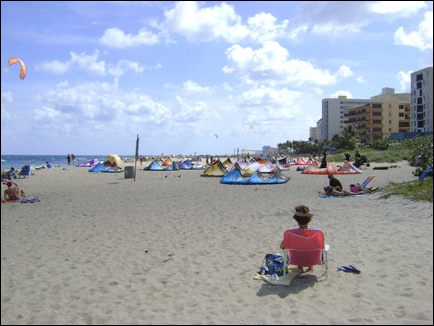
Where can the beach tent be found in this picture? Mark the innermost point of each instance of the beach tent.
(348, 168)
(275, 177)
(215, 170)
(186, 165)
(167, 162)
(173, 167)
(237, 165)
(426, 173)
(155, 166)
(88, 164)
(262, 167)
(284, 161)
(300, 161)
(227, 162)
(311, 161)
(197, 166)
(235, 177)
(101, 167)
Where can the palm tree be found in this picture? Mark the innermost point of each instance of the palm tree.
(350, 137)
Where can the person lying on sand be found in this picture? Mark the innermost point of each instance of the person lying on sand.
(330, 191)
(13, 192)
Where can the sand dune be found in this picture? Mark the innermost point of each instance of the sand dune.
(102, 249)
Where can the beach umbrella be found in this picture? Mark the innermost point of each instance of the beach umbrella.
(115, 159)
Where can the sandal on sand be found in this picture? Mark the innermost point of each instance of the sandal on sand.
(350, 269)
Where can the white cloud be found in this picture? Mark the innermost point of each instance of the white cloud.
(221, 22)
(360, 80)
(421, 39)
(54, 67)
(99, 106)
(227, 87)
(405, 81)
(45, 112)
(190, 87)
(89, 63)
(6, 97)
(125, 65)
(190, 113)
(271, 64)
(116, 38)
(403, 8)
(338, 17)
(269, 104)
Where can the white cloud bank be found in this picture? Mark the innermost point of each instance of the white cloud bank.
(271, 64)
(421, 39)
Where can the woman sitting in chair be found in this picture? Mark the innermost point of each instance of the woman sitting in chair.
(303, 217)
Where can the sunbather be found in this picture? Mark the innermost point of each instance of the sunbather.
(330, 191)
(13, 192)
(334, 183)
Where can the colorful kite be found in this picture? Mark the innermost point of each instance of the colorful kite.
(23, 71)
(216, 136)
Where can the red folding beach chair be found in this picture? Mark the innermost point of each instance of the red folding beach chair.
(305, 248)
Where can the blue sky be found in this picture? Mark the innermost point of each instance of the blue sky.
(179, 73)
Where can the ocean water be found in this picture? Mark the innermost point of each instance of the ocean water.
(18, 161)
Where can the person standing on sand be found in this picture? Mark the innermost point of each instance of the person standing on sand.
(141, 159)
(68, 158)
(323, 160)
(73, 159)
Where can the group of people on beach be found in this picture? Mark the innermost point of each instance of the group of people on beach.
(335, 188)
(71, 158)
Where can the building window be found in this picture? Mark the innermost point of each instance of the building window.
(376, 105)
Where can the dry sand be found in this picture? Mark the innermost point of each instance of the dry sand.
(183, 249)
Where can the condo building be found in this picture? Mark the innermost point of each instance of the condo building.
(333, 114)
(386, 113)
(422, 100)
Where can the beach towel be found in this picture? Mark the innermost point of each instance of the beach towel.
(279, 280)
(28, 199)
(325, 196)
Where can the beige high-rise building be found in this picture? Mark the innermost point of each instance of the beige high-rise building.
(312, 133)
(386, 113)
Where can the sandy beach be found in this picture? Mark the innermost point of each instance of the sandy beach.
(176, 248)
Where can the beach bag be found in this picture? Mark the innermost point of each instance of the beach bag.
(272, 264)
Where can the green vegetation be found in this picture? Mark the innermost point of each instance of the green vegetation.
(415, 190)
(417, 151)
